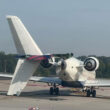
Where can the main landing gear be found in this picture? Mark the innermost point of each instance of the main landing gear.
(90, 92)
(54, 90)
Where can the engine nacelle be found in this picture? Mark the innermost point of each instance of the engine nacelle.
(45, 63)
(91, 64)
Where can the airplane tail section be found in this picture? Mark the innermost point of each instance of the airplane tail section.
(22, 39)
(25, 45)
(24, 70)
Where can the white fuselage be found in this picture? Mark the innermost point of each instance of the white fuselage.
(75, 71)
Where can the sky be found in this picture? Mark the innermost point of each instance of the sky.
(60, 26)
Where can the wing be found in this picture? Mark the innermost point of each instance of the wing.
(89, 83)
(38, 79)
(96, 83)
(46, 79)
(6, 75)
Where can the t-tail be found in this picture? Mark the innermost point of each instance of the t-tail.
(25, 45)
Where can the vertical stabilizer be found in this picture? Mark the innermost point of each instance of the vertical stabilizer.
(24, 70)
(25, 45)
(22, 39)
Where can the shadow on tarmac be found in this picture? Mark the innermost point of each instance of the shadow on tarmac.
(44, 94)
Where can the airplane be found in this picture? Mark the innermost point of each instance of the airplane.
(72, 72)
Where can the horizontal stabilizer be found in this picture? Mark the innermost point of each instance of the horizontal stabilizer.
(34, 57)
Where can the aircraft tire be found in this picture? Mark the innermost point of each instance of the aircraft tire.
(94, 93)
(51, 90)
(88, 93)
(57, 91)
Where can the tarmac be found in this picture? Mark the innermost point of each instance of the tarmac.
(37, 95)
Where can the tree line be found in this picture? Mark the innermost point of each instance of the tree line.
(8, 63)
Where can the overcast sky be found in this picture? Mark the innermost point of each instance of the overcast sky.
(60, 26)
